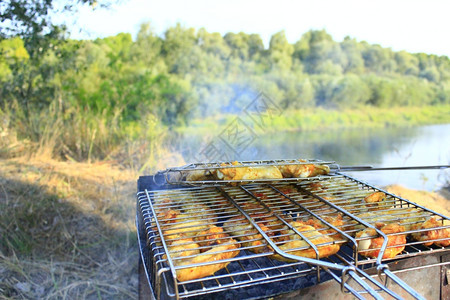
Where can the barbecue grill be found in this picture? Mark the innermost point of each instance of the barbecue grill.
(254, 262)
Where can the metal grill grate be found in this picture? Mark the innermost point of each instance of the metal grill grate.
(201, 174)
(259, 220)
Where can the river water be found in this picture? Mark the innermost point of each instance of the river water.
(380, 147)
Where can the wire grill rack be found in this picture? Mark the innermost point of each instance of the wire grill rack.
(180, 175)
(265, 214)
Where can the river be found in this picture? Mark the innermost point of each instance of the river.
(379, 147)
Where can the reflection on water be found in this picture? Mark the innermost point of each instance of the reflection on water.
(386, 147)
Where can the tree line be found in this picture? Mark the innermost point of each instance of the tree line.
(189, 73)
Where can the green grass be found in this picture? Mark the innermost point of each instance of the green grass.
(322, 119)
(77, 134)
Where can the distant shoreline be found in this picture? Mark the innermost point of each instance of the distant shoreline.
(323, 119)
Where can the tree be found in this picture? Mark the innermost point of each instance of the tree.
(349, 92)
(280, 51)
(378, 59)
(28, 18)
(34, 83)
(244, 46)
(407, 63)
(13, 53)
(354, 63)
(319, 53)
(145, 52)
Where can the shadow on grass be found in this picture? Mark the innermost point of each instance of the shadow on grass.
(52, 247)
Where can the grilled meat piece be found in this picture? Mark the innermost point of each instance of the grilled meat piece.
(371, 247)
(198, 175)
(376, 201)
(249, 236)
(190, 251)
(186, 228)
(303, 170)
(407, 217)
(324, 229)
(210, 237)
(325, 244)
(224, 251)
(433, 234)
(248, 173)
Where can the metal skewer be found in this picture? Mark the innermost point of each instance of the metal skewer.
(371, 168)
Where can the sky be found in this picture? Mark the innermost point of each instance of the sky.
(411, 25)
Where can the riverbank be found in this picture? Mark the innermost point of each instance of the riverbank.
(324, 119)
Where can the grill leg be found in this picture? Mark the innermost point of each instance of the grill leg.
(145, 292)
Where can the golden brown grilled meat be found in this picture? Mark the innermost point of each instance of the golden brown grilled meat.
(325, 244)
(189, 251)
(194, 242)
(248, 173)
(199, 211)
(407, 217)
(433, 234)
(168, 216)
(198, 175)
(371, 247)
(249, 236)
(210, 237)
(183, 247)
(184, 228)
(336, 221)
(224, 251)
(303, 170)
(376, 201)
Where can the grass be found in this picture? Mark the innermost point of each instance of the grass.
(67, 201)
(322, 119)
(67, 230)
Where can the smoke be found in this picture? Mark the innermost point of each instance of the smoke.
(245, 114)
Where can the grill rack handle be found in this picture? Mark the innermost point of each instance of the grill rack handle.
(371, 168)
(384, 269)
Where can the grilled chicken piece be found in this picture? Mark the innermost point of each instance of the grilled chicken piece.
(303, 170)
(209, 246)
(324, 229)
(182, 248)
(192, 238)
(197, 175)
(249, 236)
(325, 244)
(434, 234)
(407, 217)
(199, 211)
(211, 236)
(248, 173)
(168, 216)
(371, 247)
(224, 251)
(184, 228)
(376, 201)
(317, 186)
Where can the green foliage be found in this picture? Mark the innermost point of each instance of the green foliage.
(320, 119)
(186, 73)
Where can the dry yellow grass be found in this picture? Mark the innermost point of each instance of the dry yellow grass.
(67, 230)
(431, 200)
